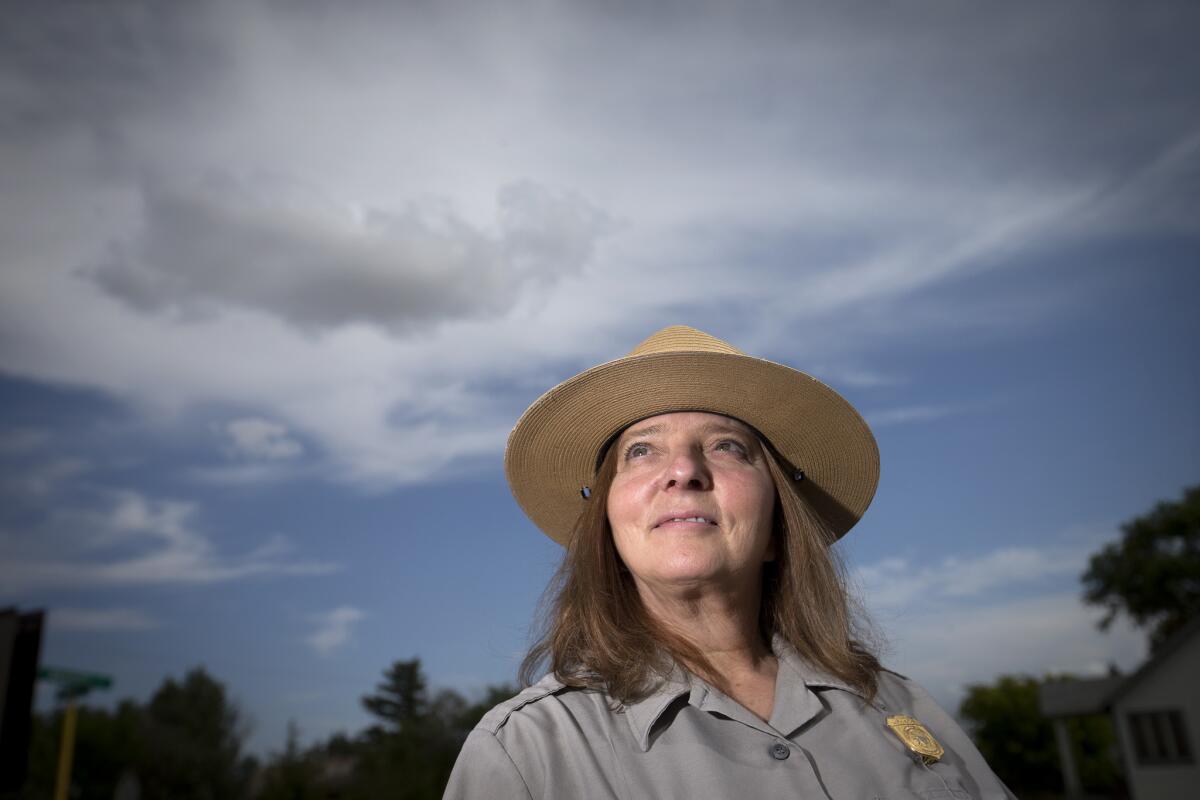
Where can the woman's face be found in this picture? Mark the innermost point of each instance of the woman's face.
(691, 502)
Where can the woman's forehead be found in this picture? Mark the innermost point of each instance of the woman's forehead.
(695, 421)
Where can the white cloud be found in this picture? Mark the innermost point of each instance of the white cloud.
(254, 437)
(953, 645)
(100, 619)
(961, 620)
(166, 549)
(897, 582)
(333, 629)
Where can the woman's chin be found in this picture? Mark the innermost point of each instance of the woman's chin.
(691, 572)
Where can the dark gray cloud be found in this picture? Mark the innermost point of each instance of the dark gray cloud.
(92, 65)
(279, 248)
(930, 94)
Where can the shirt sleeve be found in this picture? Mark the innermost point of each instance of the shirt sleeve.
(484, 770)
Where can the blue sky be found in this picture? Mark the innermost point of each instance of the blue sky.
(276, 281)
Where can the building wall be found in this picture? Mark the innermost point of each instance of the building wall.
(1172, 685)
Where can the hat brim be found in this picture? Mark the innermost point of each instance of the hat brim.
(553, 449)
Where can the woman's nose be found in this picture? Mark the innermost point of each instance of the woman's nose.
(687, 470)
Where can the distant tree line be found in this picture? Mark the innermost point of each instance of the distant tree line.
(187, 743)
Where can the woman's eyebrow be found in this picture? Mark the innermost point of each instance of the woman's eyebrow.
(706, 430)
(722, 427)
(649, 430)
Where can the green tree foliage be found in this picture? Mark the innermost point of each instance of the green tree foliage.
(1018, 742)
(401, 699)
(185, 744)
(193, 740)
(1153, 572)
(107, 744)
(114, 745)
(293, 775)
(411, 753)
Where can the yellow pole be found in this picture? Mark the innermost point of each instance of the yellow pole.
(66, 751)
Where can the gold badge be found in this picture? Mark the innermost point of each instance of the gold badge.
(916, 738)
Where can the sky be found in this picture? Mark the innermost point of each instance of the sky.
(277, 278)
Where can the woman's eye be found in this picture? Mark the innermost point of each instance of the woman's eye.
(636, 450)
(730, 446)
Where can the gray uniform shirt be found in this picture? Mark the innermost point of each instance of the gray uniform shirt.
(688, 740)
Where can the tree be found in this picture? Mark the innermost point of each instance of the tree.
(1153, 573)
(1018, 742)
(107, 744)
(184, 744)
(411, 753)
(293, 775)
(402, 699)
(193, 738)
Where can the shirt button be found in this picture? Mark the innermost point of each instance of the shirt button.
(780, 751)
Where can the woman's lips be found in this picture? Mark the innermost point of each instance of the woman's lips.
(685, 518)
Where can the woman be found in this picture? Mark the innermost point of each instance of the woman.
(700, 640)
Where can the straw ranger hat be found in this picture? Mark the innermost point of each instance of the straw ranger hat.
(555, 449)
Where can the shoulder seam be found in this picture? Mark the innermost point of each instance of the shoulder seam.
(493, 721)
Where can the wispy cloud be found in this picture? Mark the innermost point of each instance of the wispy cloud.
(100, 619)
(949, 646)
(898, 582)
(40, 479)
(957, 620)
(20, 440)
(252, 474)
(167, 549)
(857, 377)
(333, 629)
(255, 437)
(907, 414)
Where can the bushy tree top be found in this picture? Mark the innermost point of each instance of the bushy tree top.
(1152, 573)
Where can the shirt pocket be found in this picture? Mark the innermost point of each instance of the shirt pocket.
(924, 794)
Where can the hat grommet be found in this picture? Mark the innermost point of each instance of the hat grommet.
(798, 475)
(585, 492)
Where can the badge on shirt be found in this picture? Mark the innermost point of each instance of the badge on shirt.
(917, 738)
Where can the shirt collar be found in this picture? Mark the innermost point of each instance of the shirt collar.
(643, 713)
(796, 687)
(795, 702)
(812, 675)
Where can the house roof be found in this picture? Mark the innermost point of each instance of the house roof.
(1073, 698)
(1077, 698)
(1162, 655)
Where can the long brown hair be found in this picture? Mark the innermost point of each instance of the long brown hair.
(596, 633)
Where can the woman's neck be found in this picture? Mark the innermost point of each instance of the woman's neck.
(724, 628)
(722, 625)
